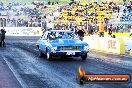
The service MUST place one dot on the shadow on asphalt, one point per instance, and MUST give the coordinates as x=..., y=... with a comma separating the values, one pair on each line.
x=63, y=59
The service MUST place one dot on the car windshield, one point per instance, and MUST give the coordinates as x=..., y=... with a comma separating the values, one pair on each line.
x=63, y=35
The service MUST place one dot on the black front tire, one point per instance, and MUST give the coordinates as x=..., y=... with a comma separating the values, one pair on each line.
x=63, y=56
x=40, y=54
x=84, y=56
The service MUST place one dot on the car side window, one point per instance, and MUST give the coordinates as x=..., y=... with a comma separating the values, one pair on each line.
x=51, y=36
x=44, y=36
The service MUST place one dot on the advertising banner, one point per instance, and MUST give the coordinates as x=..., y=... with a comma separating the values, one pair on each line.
x=23, y=31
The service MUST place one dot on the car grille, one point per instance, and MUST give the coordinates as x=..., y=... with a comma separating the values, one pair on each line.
x=70, y=48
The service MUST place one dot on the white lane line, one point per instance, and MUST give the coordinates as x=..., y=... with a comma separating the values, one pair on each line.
x=18, y=77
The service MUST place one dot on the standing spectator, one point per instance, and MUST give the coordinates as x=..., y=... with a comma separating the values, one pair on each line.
x=117, y=29
x=90, y=29
x=124, y=2
x=124, y=11
x=81, y=34
x=130, y=32
x=101, y=29
x=110, y=31
x=4, y=22
x=2, y=37
x=96, y=28
x=1, y=22
x=118, y=9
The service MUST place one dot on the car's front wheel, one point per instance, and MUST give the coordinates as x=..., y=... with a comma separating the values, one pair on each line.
x=49, y=57
x=40, y=54
x=84, y=56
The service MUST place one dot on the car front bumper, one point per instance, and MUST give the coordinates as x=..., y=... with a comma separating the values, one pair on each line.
x=69, y=53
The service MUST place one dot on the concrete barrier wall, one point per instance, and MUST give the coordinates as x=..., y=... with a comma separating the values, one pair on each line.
x=128, y=44
x=106, y=44
x=23, y=31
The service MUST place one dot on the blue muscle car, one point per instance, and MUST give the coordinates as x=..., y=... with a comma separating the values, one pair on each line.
x=62, y=43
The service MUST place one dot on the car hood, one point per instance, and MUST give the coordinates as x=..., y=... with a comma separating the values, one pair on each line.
x=68, y=42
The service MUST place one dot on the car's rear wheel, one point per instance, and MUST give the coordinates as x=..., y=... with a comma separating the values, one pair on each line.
x=84, y=56
x=49, y=57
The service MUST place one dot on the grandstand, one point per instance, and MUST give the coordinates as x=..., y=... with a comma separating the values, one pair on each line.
x=94, y=13
x=15, y=13
x=127, y=14
x=82, y=12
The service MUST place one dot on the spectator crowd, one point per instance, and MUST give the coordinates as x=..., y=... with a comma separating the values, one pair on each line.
x=16, y=14
x=93, y=17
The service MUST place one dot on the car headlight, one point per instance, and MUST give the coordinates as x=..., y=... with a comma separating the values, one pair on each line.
x=86, y=48
x=53, y=48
